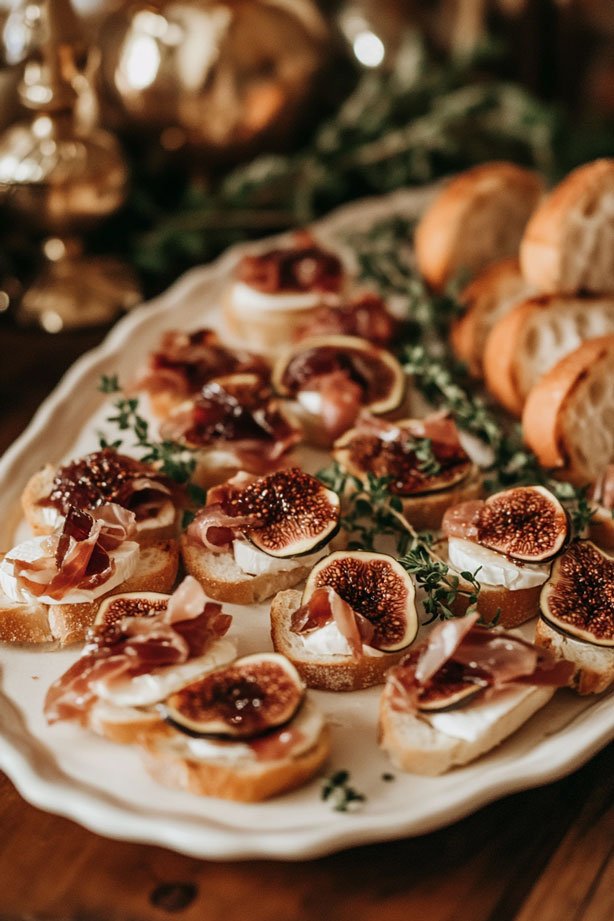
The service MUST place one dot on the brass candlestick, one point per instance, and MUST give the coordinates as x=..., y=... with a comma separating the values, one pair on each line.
x=62, y=175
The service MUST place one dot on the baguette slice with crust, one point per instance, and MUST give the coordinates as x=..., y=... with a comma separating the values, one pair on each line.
x=67, y=623
x=568, y=245
x=594, y=664
x=326, y=673
x=478, y=218
x=568, y=418
x=40, y=485
x=223, y=580
x=534, y=336
x=490, y=296
x=415, y=746
x=425, y=511
x=169, y=761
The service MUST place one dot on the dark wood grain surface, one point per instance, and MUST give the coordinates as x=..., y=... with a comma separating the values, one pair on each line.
x=543, y=855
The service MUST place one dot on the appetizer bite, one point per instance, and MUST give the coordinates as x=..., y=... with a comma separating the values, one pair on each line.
x=354, y=619
x=461, y=693
x=331, y=379
x=256, y=536
x=142, y=647
x=478, y=218
x=485, y=300
x=577, y=615
x=52, y=587
x=273, y=292
x=184, y=362
x=567, y=419
x=424, y=458
x=365, y=316
x=99, y=478
x=508, y=541
x=233, y=424
x=532, y=337
x=601, y=524
x=567, y=244
x=246, y=732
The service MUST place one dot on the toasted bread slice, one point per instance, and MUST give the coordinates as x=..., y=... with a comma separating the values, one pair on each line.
x=223, y=580
x=124, y=725
x=568, y=245
x=67, y=623
x=490, y=296
x=594, y=664
x=39, y=487
x=425, y=511
x=168, y=759
x=534, y=335
x=326, y=673
x=417, y=747
x=568, y=418
x=478, y=218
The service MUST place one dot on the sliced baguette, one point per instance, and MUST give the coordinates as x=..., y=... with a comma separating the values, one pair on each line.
x=426, y=511
x=39, y=487
x=478, y=218
x=248, y=782
x=67, y=623
x=534, y=336
x=601, y=528
x=568, y=418
x=568, y=245
x=415, y=746
x=326, y=673
x=495, y=602
x=490, y=296
x=223, y=580
x=594, y=664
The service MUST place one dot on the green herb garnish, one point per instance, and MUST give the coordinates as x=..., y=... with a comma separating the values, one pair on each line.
x=336, y=790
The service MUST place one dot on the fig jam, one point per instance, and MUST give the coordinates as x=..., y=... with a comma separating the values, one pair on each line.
x=199, y=356
x=225, y=414
x=374, y=379
x=302, y=267
x=397, y=459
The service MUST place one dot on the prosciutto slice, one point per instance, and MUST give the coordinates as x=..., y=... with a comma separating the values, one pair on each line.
x=78, y=555
x=324, y=607
x=458, y=653
x=365, y=317
x=187, y=628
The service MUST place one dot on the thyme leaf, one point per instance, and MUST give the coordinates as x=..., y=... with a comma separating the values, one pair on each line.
x=336, y=789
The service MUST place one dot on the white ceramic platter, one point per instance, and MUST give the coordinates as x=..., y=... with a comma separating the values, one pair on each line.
x=103, y=786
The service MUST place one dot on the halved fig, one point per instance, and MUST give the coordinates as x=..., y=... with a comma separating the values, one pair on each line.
x=298, y=514
x=527, y=523
x=395, y=452
x=449, y=698
x=375, y=586
x=246, y=698
x=578, y=598
x=375, y=373
x=130, y=604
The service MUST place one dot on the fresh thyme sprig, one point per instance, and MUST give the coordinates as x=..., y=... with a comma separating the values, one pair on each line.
x=336, y=789
x=174, y=460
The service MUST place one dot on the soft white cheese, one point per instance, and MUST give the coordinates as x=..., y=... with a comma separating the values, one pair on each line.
x=151, y=688
x=309, y=723
x=126, y=558
x=494, y=568
x=310, y=401
x=51, y=516
x=245, y=297
x=478, y=718
x=329, y=641
x=255, y=562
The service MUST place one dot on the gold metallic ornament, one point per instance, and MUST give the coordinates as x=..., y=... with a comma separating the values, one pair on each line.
x=223, y=76
x=61, y=176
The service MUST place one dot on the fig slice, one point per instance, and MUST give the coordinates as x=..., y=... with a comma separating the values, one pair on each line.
x=578, y=598
x=298, y=514
x=376, y=371
x=375, y=586
x=130, y=604
x=527, y=523
x=450, y=698
x=247, y=698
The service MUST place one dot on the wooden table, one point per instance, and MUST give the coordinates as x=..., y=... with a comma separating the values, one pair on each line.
x=543, y=855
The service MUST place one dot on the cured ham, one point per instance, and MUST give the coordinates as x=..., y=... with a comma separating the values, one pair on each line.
x=462, y=520
x=325, y=606
x=366, y=317
x=459, y=654
x=184, y=362
x=303, y=266
x=107, y=476
x=133, y=646
x=78, y=554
